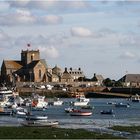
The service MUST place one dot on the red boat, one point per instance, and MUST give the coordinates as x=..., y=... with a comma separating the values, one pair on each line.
x=80, y=113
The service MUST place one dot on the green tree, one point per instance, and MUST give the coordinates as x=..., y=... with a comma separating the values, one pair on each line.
x=108, y=82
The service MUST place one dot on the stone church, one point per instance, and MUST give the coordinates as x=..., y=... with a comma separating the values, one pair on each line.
x=33, y=69
x=30, y=68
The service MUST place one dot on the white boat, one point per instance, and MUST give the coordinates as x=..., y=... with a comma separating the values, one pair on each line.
x=5, y=91
x=135, y=98
x=21, y=114
x=111, y=103
x=56, y=102
x=40, y=124
x=39, y=102
x=77, y=112
x=81, y=101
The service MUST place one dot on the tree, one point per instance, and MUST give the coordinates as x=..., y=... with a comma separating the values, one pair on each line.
x=108, y=82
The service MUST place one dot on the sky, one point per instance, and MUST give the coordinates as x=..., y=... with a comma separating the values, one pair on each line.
x=99, y=36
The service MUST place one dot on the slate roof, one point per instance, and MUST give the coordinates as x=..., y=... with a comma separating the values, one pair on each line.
x=56, y=70
x=130, y=78
x=32, y=64
x=99, y=77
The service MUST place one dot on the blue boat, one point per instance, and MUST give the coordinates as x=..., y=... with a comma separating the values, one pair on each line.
x=108, y=112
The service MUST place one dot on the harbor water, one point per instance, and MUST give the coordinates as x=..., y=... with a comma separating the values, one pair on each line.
x=121, y=116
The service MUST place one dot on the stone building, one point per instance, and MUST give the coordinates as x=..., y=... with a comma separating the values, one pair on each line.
x=130, y=80
x=98, y=79
x=30, y=68
x=66, y=77
x=76, y=73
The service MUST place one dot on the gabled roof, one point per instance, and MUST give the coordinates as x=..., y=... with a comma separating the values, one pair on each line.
x=130, y=78
x=66, y=75
x=43, y=61
x=99, y=77
x=11, y=64
x=32, y=64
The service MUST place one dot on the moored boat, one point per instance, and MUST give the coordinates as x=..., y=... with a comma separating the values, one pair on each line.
x=135, y=98
x=56, y=102
x=122, y=105
x=76, y=112
x=40, y=124
x=108, y=112
x=81, y=101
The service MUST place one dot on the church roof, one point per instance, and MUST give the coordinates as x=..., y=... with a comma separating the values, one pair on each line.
x=32, y=64
x=12, y=64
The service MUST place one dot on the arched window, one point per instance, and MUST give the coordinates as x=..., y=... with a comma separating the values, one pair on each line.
x=40, y=74
x=32, y=57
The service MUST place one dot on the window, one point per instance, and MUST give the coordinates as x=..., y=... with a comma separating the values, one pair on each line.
x=31, y=57
x=40, y=74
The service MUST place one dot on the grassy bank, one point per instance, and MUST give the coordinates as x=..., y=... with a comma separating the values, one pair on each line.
x=49, y=133
x=131, y=129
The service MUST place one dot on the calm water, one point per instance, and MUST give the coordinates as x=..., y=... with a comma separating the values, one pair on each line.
x=121, y=115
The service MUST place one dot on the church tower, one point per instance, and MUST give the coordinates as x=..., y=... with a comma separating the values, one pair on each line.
x=28, y=56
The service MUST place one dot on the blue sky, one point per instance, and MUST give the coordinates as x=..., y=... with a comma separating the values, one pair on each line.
x=101, y=37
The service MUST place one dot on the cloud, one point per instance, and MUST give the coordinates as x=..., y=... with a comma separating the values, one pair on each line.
x=5, y=40
x=49, y=52
x=4, y=6
x=21, y=16
x=130, y=40
x=81, y=32
x=51, y=5
x=128, y=55
x=52, y=19
x=25, y=17
x=17, y=3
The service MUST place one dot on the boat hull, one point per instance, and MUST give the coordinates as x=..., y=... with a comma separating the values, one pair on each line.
x=40, y=124
x=80, y=113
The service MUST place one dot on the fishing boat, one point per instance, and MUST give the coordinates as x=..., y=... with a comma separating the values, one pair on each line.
x=135, y=98
x=77, y=112
x=56, y=102
x=36, y=117
x=81, y=101
x=108, y=112
x=40, y=124
x=122, y=105
x=21, y=114
x=111, y=103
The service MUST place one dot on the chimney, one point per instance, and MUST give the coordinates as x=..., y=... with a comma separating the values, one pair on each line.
x=65, y=69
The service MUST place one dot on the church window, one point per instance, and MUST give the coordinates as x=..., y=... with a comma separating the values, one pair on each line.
x=40, y=74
